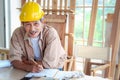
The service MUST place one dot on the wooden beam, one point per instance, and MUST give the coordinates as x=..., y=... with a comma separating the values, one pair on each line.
x=116, y=47
x=48, y=6
x=39, y=2
x=61, y=5
x=22, y=2
x=115, y=37
x=55, y=20
x=65, y=7
x=56, y=10
x=92, y=22
x=54, y=5
x=71, y=30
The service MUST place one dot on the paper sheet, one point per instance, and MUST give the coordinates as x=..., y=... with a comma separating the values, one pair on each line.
x=63, y=75
x=5, y=63
x=43, y=73
x=55, y=73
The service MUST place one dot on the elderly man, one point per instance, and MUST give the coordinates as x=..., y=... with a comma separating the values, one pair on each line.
x=35, y=45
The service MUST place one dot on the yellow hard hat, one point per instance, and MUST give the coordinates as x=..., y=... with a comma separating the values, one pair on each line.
x=31, y=11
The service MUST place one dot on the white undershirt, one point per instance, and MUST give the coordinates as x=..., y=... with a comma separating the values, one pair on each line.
x=36, y=48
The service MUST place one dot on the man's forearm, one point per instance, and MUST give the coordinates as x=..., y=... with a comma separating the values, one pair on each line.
x=20, y=65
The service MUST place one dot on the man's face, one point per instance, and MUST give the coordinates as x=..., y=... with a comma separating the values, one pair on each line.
x=33, y=28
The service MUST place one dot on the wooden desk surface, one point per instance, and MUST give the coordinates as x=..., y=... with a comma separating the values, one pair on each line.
x=15, y=74
x=11, y=74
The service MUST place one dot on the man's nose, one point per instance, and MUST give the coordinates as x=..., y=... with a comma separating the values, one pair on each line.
x=32, y=28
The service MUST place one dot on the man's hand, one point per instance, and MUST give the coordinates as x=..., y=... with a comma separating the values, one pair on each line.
x=35, y=68
x=26, y=65
x=38, y=67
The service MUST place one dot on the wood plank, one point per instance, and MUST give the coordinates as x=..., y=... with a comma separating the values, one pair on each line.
x=114, y=37
x=54, y=20
x=48, y=6
x=44, y=2
x=117, y=42
x=54, y=5
x=92, y=22
x=57, y=10
x=22, y=2
x=65, y=7
x=61, y=6
x=71, y=30
x=39, y=2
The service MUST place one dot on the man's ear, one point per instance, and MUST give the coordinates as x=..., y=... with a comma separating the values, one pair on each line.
x=42, y=20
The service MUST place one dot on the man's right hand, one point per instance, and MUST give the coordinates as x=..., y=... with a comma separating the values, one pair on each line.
x=27, y=67
x=35, y=68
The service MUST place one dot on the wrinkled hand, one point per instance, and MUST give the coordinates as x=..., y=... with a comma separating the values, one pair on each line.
x=35, y=68
x=32, y=67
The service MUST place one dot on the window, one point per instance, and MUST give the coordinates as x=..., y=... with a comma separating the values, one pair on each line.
x=11, y=18
x=82, y=21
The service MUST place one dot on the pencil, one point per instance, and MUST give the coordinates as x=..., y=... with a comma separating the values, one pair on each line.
x=34, y=61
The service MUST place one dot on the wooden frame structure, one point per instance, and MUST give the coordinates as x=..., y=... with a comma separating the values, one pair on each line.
x=114, y=39
x=115, y=36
